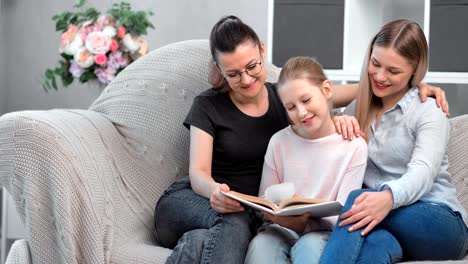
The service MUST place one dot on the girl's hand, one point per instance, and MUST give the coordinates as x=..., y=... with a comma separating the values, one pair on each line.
x=426, y=90
x=296, y=223
x=347, y=126
x=223, y=204
x=369, y=209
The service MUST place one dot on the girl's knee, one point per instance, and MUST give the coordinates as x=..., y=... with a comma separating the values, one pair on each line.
x=314, y=241
x=267, y=247
x=262, y=242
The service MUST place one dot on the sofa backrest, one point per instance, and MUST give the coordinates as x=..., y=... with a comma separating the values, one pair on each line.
x=458, y=156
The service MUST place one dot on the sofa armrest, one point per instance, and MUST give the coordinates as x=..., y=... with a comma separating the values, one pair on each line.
x=19, y=253
x=54, y=164
x=457, y=154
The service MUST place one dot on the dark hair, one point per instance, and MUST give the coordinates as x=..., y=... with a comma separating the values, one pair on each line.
x=227, y=34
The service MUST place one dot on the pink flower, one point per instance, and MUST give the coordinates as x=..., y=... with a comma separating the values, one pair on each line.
x=100, y=59
x=114, y=45
x=96, y=27
x=104, y=21
x=117, y=60
x=105, y=75
x=121, y=32
x=75, y=69
x=97, y=42
x=69, y=35
x=84, y=31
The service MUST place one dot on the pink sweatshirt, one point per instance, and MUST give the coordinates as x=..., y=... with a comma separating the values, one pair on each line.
x=327, y=168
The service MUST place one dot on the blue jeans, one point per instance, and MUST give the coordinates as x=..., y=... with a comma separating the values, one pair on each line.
x=420, y=231
x=274, y=244
x=186, y=222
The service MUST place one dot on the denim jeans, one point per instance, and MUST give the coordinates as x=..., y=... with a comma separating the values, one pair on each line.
x=274, y=244
x=420, y=231
x=186, y=222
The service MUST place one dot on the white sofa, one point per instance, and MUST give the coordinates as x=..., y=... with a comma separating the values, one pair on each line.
x=85, y=182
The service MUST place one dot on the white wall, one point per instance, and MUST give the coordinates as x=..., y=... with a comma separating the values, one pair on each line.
x=33, y=45
x=3, y=82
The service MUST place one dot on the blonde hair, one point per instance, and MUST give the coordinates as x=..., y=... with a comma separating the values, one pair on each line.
x=306, y=68
x=408, y=40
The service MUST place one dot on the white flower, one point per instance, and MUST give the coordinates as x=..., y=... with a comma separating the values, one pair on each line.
x=142, y=50
x=67, y=38
x=97, y=42
x=73, y=47
x=109, y=31
x=130, y=43
x=84, y=58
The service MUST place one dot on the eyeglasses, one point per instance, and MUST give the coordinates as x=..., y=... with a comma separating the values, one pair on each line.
x=252, y=70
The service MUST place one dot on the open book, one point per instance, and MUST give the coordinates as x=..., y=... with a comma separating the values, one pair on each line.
x=292, y=206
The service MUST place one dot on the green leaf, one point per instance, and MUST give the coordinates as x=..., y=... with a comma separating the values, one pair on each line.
x=67, y=57
x=91, y=14
x=58, y=71
x=79, y=3
x=67, y=80
x=87, y=75
x=54, y=83
x=61, y=25
x=49, y=74
x=46, y=86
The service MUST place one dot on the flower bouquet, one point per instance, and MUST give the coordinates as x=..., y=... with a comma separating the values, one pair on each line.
x=97, y=46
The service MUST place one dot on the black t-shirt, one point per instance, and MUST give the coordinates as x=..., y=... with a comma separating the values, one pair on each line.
x=239, y=141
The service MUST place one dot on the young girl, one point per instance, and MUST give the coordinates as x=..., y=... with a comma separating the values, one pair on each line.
x=412, y=210
x=310, y=154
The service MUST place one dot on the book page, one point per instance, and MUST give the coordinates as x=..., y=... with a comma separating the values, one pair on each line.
x=299, y=200
x=243, y=198
x=317, y=210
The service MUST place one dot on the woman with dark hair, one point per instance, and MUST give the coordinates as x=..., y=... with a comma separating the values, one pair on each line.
x=230, y=127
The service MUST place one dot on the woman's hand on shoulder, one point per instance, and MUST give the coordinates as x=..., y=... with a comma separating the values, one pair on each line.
x=347, y=126
x=368, y=210
x=223, y=204
x=426, y=90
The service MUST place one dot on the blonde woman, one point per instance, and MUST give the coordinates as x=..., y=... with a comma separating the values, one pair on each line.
x=410, y=210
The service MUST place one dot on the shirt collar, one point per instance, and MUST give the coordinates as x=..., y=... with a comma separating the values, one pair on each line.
x=406, y=99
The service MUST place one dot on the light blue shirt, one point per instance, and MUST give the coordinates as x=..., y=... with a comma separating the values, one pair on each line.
x=408, y=154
